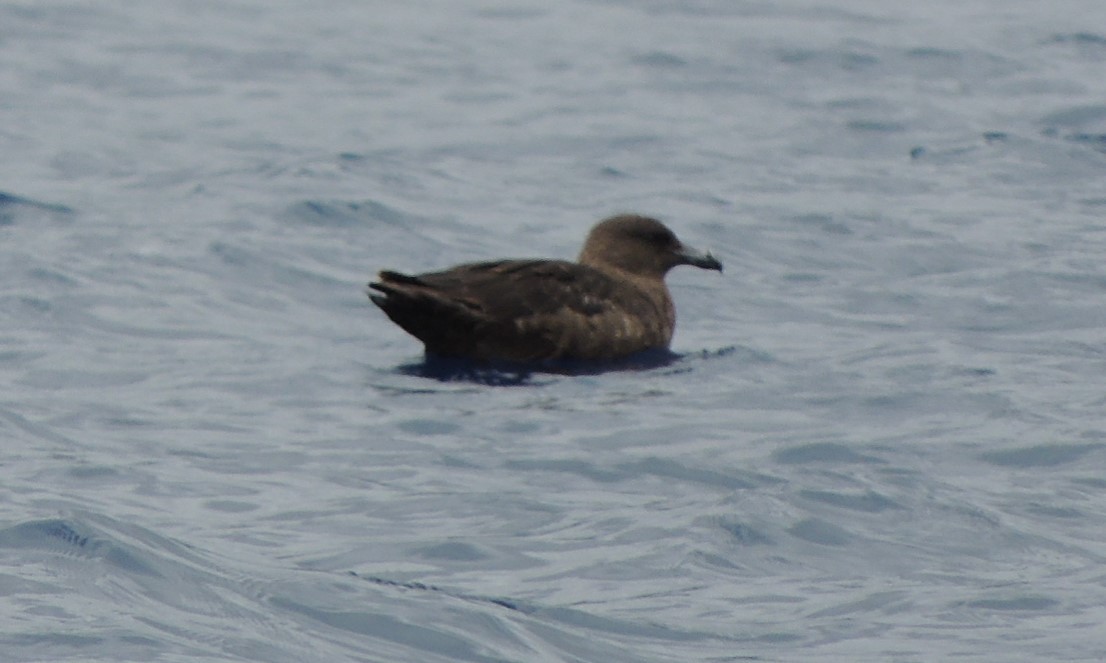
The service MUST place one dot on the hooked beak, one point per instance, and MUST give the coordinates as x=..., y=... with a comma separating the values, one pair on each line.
x=696, y=258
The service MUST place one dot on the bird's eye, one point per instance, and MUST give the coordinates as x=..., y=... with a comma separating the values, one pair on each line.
x=657, y=236
x=662, y=237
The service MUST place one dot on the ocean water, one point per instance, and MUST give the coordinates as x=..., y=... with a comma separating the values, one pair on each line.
x=884, y=438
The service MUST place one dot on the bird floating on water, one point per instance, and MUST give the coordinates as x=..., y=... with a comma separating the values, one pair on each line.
x=610, y=304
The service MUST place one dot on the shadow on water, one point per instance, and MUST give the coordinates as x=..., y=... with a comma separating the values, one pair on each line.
x=509, y=374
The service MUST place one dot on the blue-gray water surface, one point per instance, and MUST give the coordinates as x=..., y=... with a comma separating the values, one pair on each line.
x=884, y=438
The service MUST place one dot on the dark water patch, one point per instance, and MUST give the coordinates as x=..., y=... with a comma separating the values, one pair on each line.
x=821, y=452
x=1095, y=140
x=1076, y=118
x=518, y=427
x=958, y=150
x=348, y=214
x=712, y=561
x=573, y=466
x=74, y=379
x=400, y=584
x=868, y=502
x=928, y=63
x=511, y=13
x=780, y=638
x=10, y=200
x=50, y=276
x=389, y=628
x=637, y=628
x=93, y=472
x=30, y=304
x=668, y=469
x=823, y=222
x=1088, y=46
x=1081, y=38
x=231, y=254
x=34, y=429
x=416, y=586
x=875, y=126
x=1049, y=511
x=1017, y=604
x=273, y=268
x=659, y=60
x=821, y=532
x=844, y=60
x=878, y=602
x=453, y=551
x=59, y=530
x=742, y=533
x=924, y=153
x=1097, y=483
x=803, y=277
x=428, y=427
x=15, y=209
x=929, y=53
x=53, y=640
x=561, y=615
x=1042, y=455
x=69, y=538
x=231, y=506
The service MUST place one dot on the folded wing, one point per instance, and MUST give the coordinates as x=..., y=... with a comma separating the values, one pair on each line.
x=523, y=310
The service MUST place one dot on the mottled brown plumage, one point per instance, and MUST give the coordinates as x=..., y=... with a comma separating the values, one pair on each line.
x=611, y=303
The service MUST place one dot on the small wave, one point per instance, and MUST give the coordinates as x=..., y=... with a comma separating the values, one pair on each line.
x=75, y=539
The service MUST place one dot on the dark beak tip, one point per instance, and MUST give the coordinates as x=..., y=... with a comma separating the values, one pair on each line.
x=708, y=261
x=700, y=259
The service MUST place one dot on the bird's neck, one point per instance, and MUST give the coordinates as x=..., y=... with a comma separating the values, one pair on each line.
x=653, y=288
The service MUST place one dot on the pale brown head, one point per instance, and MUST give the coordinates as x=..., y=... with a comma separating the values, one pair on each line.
x=641, y=246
